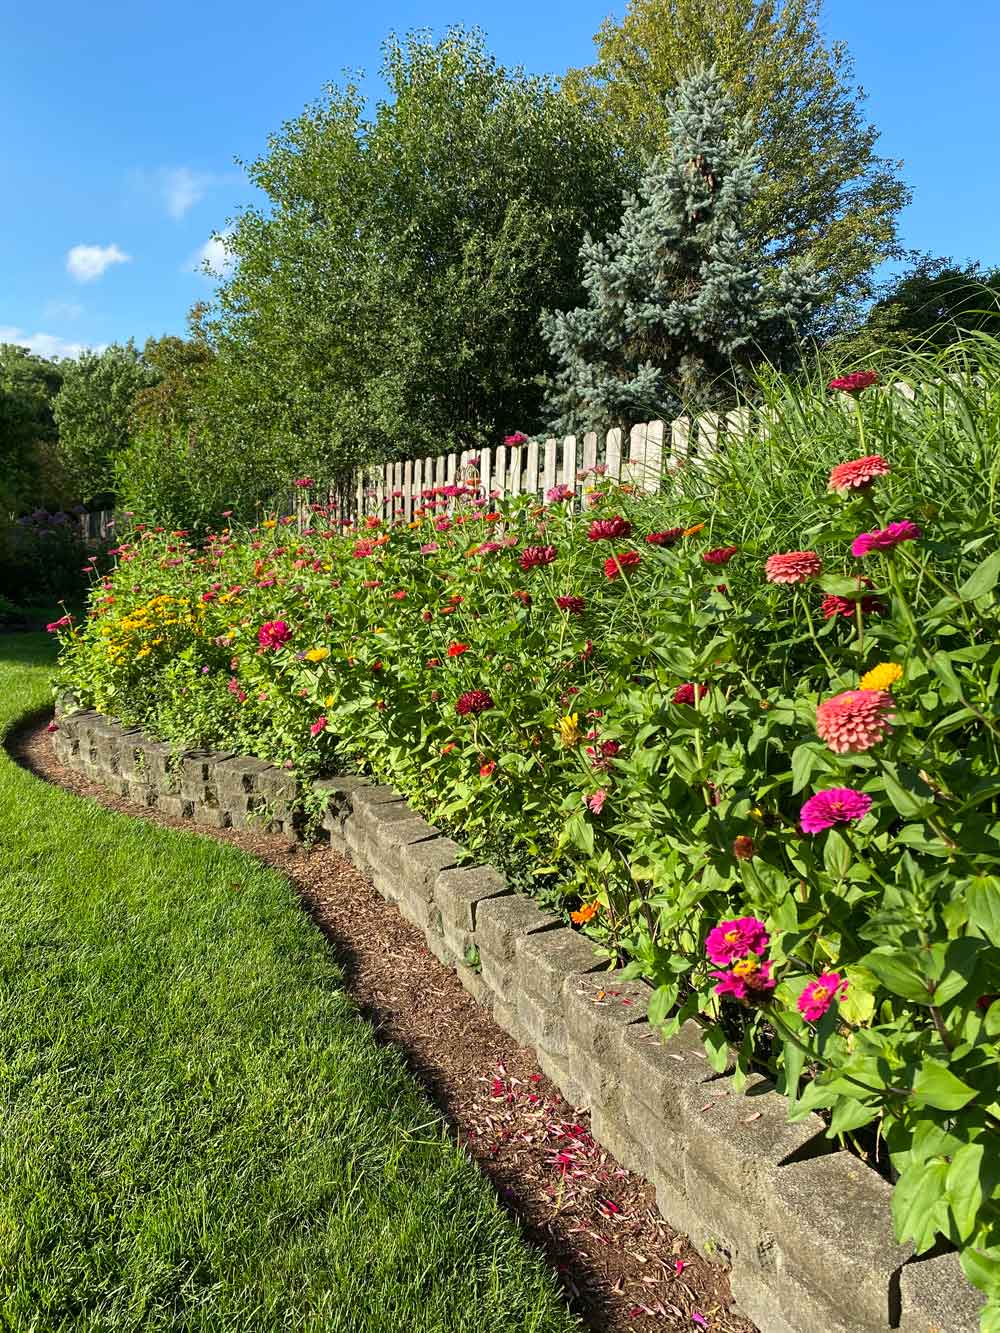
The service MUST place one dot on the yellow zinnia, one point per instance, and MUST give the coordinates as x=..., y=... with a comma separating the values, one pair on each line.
x=317, y=654
x=569, y=729
x=881, y=677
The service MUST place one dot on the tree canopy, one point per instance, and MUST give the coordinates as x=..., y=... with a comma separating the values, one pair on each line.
x=29, y=472
x=826, y=194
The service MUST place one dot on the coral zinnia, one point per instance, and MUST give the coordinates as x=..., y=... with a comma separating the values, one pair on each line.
x=858, y=473
x=852, y=384
x=855, y=720
x=668, y=538
x=793, y=567
x=473, y=701
x=884, y=539
x=608, y=529
x=457, y=649
x=615, y=565
x=836, y=805
x=532, y=556
x=574, y=605
x=720, y=556
x=817, y=997
x=686, y=694
x=735, y=939
x=881, y=677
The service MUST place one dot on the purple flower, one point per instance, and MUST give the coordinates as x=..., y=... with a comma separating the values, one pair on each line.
x=837, y=805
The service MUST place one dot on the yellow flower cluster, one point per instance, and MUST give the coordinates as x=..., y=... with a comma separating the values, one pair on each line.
x=134, y=636
x=881, y=677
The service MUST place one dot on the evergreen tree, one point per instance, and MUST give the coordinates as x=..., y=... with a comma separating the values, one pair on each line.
x=679, y=305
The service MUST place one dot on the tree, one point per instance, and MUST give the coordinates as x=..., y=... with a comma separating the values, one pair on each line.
x=92, y=411
x=389, y=302
x=825, y=194
x=933, y=303
x=29, y=476
x=678, y=304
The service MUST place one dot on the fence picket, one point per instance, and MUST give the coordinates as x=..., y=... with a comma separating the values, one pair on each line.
x=680, y=441
x=551, y=464
x=653, y=459
x=531, y=468
x=567, y=473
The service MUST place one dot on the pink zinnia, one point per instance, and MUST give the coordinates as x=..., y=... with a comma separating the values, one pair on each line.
x=614, y=565
x=273, y=634
x=855, y=720
x=362, y=549
x=608, y=529
x=735, y=939
x=858, y=473
x=574, y=605
x=720, y=556
x=429, y=548
x=304, y=482
x=746, y=985
x=861, y=379
x=532, y=556
x=318, y=726
x=793, y=567
x=836, y=805
x=817, y=997
x=667, y=538
x=557, y=493
x=473, y=701
x=518, y=437
x=884, y=539
x=686, y=694
x=595, y=802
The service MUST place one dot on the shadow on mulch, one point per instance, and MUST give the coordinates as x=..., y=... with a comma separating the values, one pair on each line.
x=621, y=1265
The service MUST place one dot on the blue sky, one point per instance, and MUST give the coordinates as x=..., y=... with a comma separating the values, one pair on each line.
x=121, y=123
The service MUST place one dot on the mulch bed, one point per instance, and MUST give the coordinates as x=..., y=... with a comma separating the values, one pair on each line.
x=621, y=1265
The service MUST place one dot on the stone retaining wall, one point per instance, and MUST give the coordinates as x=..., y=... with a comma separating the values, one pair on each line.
x=806, y=1228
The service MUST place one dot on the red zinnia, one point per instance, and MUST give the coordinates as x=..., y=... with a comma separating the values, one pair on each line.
x=685, y=694
x=721, y=555
x=667, y=538
x=614, y=565
x=574, y=605
x=457, y=649
x=486, y=770
x=852, y=384
x=857, y=474
x=609, y=529
x=473, y=701
x=533, y=556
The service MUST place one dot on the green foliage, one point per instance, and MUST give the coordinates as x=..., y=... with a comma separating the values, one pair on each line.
x=826, y=195
x=388, y=304
x=678, y=306
x=29, y=473
x=612, y=782
x=200, y=1131
x=92, y=411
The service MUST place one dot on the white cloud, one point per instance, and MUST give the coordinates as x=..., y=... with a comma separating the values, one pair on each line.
x=62, y=310
x=87, y=262
x=213, y=253
x=180, y=188
x=46, y=344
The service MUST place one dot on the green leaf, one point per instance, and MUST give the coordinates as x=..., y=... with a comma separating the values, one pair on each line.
x=981, y=1265
x=837, y=854
x=803, y=764
x=898, y=975
x=849, y=1114
x=964, y=1187
x=716, y=1047
x=982, y=580
x=919, y=1206
x=983, y=897
x=935, y=1085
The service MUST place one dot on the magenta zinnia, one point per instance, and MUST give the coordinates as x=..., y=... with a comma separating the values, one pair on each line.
x=720, y=556
x=817, y=997
x=473, y=701
x=735, y=939
x=533, y=556
x=793, y=567
x=748, y=980
x=852, y=384
x=608, y=529
x=884, y=539
x=273, y=634
x=858, y=473
x=855, y=720
x=836, y=805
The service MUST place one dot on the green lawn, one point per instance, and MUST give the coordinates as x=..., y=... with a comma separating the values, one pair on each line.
x=197, y=1131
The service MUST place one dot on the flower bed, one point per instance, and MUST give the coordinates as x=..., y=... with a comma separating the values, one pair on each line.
x=764, y=781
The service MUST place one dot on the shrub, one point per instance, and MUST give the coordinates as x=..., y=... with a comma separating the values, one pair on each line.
x=43, y=556
x=762, y=772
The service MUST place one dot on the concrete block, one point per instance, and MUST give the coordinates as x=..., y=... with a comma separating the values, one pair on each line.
x=210, y=816
x=611, y=1131
x=460, y=942
x=935, y=1296
x=364, y=797
x=654, y=1072
x=506, y=1017
x=598, y=1008
x=278, y=786
x=545, y=1025
x=473, y=982
x=779, y=1304
x=832, y=1223
x=458, y=893
x=558, y=1072
x=421, y=861
x=388, y=839
x=546, y=959
x=175, y=806
x=500, y=922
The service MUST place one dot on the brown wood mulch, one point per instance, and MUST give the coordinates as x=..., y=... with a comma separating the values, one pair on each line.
x=620, y=1264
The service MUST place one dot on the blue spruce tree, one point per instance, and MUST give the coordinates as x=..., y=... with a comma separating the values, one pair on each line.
x=678, y=308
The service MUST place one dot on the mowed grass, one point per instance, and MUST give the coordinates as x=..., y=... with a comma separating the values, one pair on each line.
x=197, y=1131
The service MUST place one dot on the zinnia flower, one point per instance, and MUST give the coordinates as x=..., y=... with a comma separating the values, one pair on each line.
x=555, y=494
x=521, y=595
x=720, y=556
x=429, y=548
x=273, y=634
x=473, y=701
x=362, y=549
x=614, y=565
x=735, y=939
x=595, y=802
x=857, y=474
x=457, y=649
x=689, y=693
x=881, y=677
x=486, y=770
x=569, y=729
x=836, y=805
x=855, y=720
x=533, y=556
x=585, y=914
x=793, y=567
x=317, y=654
x=847, y=606
x=668, y=538
x=318, y=726
x=854, y=384
x=609, y=529
x=743, y=848
x=517, y=438
x=574, y=605
x=884, y=539
x=817, y=997
x=304, y=482
x=752, y=980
